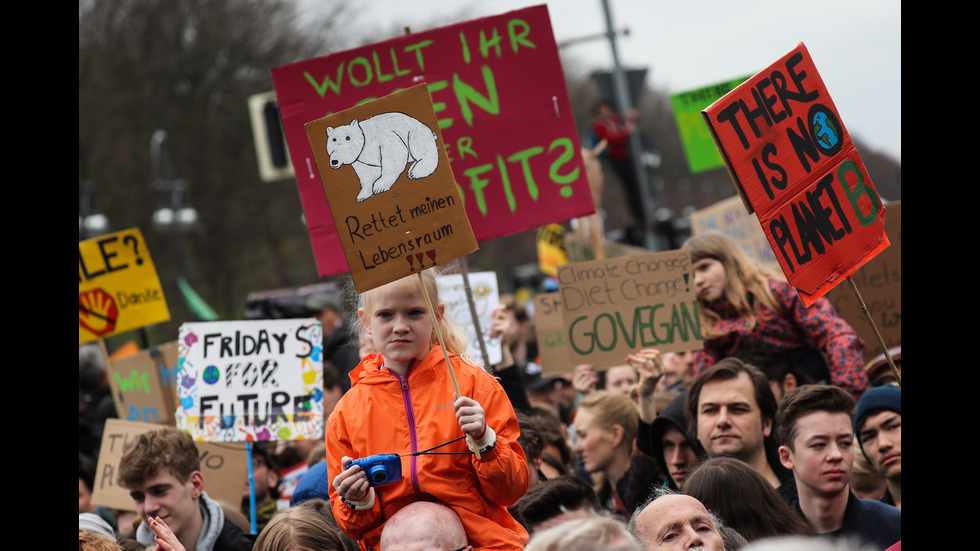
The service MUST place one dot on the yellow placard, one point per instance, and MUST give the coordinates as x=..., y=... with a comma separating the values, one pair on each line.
x=551, y=248
x=118, y=287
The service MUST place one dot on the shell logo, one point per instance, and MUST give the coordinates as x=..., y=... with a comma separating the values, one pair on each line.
x=97, y=311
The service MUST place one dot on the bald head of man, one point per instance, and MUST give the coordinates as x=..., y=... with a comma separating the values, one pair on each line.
x=424, y=526
x=673, y=520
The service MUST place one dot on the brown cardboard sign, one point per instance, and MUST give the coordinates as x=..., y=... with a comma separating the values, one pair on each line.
x=730, y=218
x=549, y=328
x=616, y=306
x=223, y=464
x=880, y=284
x=143, y=384
x=390, y=188
x=580, y=248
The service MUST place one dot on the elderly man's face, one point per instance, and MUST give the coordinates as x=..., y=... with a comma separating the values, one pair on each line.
x=677, y=522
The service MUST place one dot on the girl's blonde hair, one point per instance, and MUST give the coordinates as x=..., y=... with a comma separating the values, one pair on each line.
x=747, y=288
x=454, y=335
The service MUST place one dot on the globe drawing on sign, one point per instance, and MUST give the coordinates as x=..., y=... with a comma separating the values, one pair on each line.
x=211, y=374
x=825, y=131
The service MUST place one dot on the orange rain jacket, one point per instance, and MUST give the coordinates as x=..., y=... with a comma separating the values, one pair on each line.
x=383, y=413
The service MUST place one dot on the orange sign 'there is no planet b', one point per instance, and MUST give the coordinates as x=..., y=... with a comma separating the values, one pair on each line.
x=795, y=166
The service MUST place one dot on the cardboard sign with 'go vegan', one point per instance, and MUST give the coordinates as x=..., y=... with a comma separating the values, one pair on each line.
x=613, y=307
x=391, y=191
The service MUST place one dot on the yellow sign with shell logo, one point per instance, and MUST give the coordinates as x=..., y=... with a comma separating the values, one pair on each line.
x=118, y=286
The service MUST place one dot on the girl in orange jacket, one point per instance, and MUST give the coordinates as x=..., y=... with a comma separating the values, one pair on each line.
x=402, y=401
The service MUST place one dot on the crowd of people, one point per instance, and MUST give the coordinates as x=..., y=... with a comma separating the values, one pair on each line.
x=749, y=443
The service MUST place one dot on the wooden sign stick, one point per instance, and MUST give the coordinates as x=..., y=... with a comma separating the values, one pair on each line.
x=445, y=354
x=465, y=271
x=881, y=341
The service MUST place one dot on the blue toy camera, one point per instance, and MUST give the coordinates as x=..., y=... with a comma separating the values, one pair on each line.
x=380, y=469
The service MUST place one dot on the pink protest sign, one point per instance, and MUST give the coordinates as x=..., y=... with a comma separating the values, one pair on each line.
x=498, y=92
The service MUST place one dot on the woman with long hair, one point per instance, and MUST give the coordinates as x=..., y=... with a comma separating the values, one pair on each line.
x=744, y=499
x=743, y=303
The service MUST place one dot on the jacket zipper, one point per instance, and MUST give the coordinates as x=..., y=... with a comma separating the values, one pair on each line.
x=407, y=398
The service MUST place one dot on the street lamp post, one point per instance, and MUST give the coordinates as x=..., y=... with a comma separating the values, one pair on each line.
x=172, y=214
x=91, y=221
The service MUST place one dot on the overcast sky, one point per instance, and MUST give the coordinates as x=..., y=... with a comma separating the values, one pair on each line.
x=856, y=45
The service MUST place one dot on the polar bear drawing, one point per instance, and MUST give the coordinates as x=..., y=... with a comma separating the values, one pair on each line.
x=379, y=147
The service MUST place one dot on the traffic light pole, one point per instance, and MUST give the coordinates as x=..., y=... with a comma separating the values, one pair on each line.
x=625, y=103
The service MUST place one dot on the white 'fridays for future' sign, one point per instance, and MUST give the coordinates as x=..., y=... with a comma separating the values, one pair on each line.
x=250, y=380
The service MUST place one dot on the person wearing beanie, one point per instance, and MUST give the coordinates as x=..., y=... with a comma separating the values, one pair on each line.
x=878, y=426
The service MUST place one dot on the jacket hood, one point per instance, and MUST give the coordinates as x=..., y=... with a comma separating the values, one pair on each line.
x=673, y=415
x=214, y=520
x=370, y=365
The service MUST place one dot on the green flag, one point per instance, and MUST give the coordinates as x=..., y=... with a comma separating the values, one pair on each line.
x=702, y=153
x=200, y=310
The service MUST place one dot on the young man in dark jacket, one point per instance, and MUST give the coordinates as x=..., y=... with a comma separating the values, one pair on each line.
x=676, y=450
x=666, y=444
x=732, y=408
x=816, y=438
x=161, y=470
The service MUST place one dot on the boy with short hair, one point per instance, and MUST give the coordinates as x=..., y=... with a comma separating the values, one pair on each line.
x=161, y=470
x=814, y=428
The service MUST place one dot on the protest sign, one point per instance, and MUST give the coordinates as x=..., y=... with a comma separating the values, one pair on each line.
x=730, y=218
x=880, y=284
x=118, y=287
x=396, y=206
x=144, y=385
x=580, y=249
x=223, y=465
x=794, y=165
x=613, y=307
x=250, y=380
x=551, y=248
x=549, y=329
x=485, y=296
x=699, y=147
x=498, y=90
